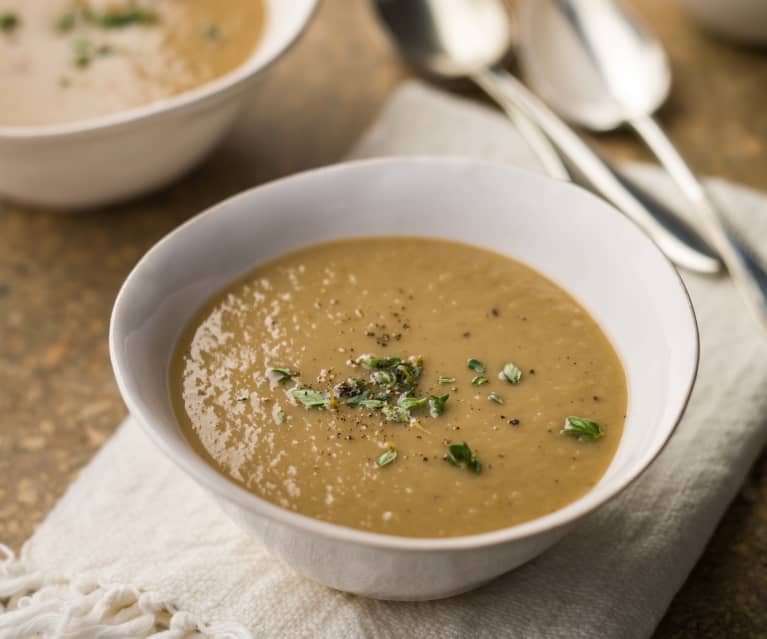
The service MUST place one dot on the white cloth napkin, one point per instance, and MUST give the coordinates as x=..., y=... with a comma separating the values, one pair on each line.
x=134, y=540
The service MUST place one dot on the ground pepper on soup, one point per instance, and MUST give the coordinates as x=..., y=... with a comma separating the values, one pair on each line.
x=408, y=386
x=69, y=60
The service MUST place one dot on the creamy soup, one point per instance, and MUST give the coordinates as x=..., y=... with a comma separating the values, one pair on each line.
x=405, y=386
x=67, y=60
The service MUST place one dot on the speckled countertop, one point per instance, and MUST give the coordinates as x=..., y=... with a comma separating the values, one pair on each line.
x=59, y=274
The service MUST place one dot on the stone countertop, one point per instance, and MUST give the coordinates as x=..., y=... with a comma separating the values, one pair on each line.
x=59, y=274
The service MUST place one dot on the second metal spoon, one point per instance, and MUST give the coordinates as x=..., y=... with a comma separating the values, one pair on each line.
x=470, y=38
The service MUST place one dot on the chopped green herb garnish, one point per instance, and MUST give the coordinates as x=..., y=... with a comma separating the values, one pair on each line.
x=309, y=398
x=437, y=404
x=446, y=380
x=582, y=429
x=355, y=400
x=375, y=404
x=476, y=365
x=280, y=416
x=81, y=52
x=280, y=375
x=66, y=22
x=387, y=457
x=461, y=456
x=495, y=397
x=395, y=414
x=371, y=363
x=382, y=378
x=409, y=403
x=350, y=388
x=479, y=380
x=511, y=373
x=118, y=18
x=9, y=22
x=210, y=31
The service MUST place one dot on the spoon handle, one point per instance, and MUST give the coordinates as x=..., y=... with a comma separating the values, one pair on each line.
x=491, y=81
x=747, y=273
x=604, y=179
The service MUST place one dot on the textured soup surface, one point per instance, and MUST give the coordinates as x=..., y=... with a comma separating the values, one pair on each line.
x=64, y=60
x=315, y=310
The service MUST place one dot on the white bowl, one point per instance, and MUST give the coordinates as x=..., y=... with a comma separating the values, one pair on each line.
x=741, y=20
x=569, y=235
x=102, y=160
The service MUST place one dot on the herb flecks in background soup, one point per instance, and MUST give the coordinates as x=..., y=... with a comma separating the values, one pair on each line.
x=63, y=61
x=406, y=386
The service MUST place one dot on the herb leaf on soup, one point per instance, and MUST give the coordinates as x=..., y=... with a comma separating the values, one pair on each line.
x=461, y=456
x=582, y=429
x=356, y=400
x=476, y=365
x=446, y=379
x=395, y=414
x=371, y=362
x=119, y=18
x=309, y=398
x=280, y=375
x=375, y=404
x=437, y=404
x=210, y=32
x=479, y=380
x=9, y=22
x=387, y=457
x=511, y=373
x=495, y=397
x=409, y=403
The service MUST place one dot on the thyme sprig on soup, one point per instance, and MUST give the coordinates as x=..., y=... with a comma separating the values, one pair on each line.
x=69, y=60
x=408, y=386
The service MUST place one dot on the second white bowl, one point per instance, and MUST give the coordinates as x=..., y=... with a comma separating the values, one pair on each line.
x=115, y=157
x=567, y=234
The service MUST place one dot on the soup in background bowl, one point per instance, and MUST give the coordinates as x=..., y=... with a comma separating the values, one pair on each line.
x=580, y=249
x=68, y=60
x=117, y=103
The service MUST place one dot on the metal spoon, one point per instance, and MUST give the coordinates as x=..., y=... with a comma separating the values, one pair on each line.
x=597, y=66
x=469, y=39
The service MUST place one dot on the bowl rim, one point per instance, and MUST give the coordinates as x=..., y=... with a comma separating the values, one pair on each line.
x=231, y=80
x=191, y=463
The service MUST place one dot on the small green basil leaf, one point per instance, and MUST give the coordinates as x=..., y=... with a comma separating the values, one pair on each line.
x=511, y=373
x=280, y=375
x=461, y=456
x=309, y=397
x=396, y=414
x=437, y=404
x=387, y=457
x=476, y=365
x=375, y=404
x=409, y=403
x=582, y=429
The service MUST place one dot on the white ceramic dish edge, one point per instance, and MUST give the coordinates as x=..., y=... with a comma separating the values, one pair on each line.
x=350, y=559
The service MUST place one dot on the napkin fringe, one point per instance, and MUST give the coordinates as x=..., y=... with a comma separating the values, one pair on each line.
x=32, y=606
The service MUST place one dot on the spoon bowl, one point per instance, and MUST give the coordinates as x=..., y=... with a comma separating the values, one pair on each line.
x=598, y=73
x=471, y=37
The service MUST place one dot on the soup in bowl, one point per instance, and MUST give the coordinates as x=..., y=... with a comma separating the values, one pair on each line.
x=406, y=377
